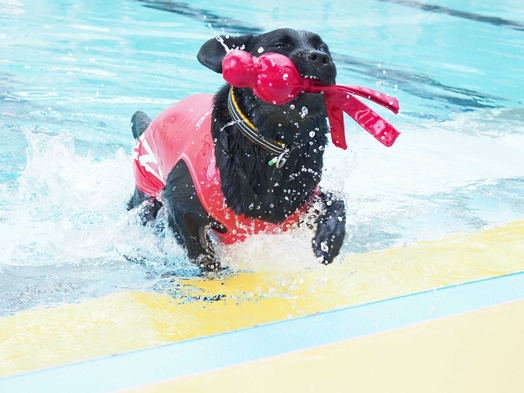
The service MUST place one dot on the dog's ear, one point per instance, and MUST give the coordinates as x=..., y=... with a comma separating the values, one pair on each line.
x=214, y=50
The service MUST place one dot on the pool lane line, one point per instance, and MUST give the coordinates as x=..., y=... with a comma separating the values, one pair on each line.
x=492, y=20
x=202, y=15
x=200, y=355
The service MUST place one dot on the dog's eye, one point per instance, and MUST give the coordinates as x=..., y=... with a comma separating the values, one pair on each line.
x=323, y=48
x=280, y=45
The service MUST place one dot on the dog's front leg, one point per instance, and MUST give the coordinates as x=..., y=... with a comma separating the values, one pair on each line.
x=331, y=228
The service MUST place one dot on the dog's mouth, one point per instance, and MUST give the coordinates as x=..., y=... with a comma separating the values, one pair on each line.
x=317, y=80
x=310, y=77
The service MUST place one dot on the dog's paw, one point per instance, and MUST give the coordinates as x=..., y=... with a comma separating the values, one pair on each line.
x=326, y=246
x=331, y=229
x=208, y=263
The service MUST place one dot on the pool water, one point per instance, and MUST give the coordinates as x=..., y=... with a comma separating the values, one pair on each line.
x=73, y=72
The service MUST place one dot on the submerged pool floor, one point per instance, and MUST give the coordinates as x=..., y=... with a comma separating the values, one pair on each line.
x=356, y=300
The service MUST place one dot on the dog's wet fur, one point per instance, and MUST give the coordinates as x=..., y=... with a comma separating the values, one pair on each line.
x=249, y=184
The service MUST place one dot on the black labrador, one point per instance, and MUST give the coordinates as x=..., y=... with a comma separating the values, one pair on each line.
x=251, y=186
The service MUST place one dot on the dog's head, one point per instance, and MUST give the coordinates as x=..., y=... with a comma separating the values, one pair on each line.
x=307, y=50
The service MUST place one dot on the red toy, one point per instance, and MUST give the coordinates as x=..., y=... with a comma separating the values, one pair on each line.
x=275, y=79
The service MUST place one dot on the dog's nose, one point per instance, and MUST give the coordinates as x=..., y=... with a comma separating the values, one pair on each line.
x=318, y=58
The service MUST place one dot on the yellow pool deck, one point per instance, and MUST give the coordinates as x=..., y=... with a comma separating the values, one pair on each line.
x=395, y=320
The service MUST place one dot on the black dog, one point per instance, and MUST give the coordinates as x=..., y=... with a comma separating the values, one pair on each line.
x=251, y=186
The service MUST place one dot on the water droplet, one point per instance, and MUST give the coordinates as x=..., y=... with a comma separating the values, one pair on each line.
x=260, y=50
x=312, y=134
x=303, y=112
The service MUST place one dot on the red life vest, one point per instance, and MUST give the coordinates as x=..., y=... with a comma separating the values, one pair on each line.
x=183, y=132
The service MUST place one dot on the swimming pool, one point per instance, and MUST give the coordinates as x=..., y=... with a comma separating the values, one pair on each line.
x=73, y=72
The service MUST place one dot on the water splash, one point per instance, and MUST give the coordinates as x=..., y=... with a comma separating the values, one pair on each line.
x=231, y=123
x=67, y=235
x=219, y=38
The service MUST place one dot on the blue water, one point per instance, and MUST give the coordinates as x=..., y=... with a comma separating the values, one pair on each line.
x=73, y=72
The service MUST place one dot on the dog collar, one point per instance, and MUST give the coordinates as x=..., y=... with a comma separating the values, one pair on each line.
x=249, y=130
